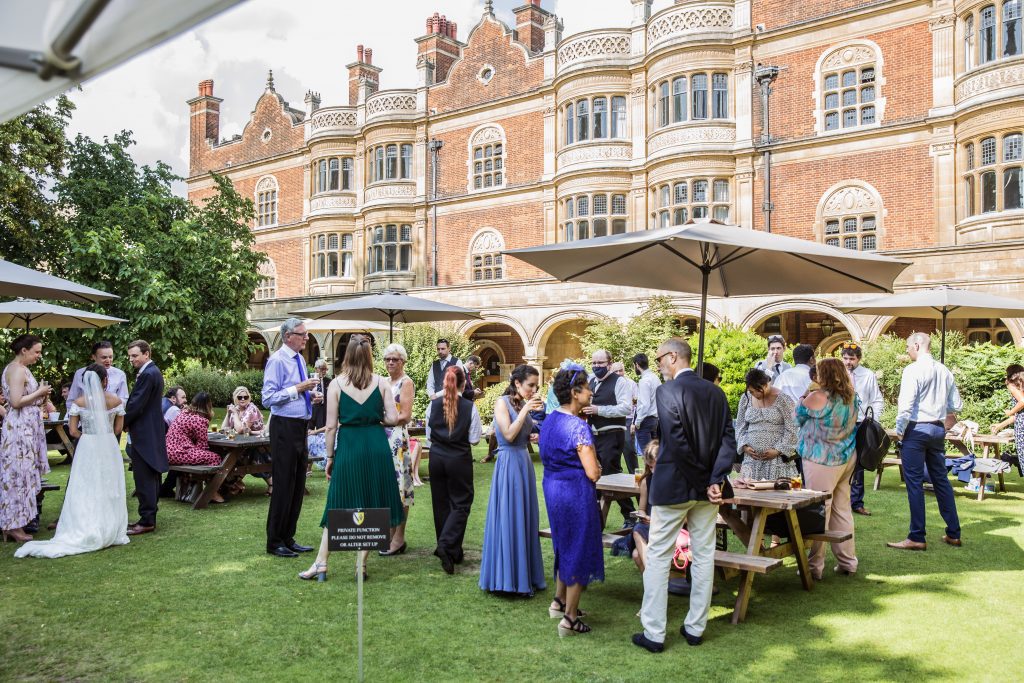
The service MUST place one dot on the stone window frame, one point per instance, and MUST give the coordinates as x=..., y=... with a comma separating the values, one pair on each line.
x=389, y=236
x=995, y=16
x=675, y=201
x=266, y=288
x=585, y=209
x=486, y=263
x=572, y=120
x=675, y=100
x=331, y=248
x=857, y=56
x=266, y=199
x=482, y=137
x=322, y=174
x=385, y=167
x=977, y=174
x=851, y=200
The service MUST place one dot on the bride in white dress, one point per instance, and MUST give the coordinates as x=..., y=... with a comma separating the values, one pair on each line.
x=95, y=513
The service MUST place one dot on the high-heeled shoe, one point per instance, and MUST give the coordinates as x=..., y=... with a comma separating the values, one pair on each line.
x=575, y=627
x=400, y=550
x=559, y=612
x=17, y=535
x=318, y=571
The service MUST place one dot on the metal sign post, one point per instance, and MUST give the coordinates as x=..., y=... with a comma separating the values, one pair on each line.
x=359, y=530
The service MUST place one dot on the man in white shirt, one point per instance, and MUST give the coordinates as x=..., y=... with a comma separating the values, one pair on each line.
x=629, y=445
x=117, y=381
x=794, y=381
x=866, y=386
x=773, y=365
x=645, y=417
x=608, y=413
x=928, y=404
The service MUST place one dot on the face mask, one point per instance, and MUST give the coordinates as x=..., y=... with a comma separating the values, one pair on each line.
x=600, y=372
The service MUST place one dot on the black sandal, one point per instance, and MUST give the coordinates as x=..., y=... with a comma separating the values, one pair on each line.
x=575, y=626
x=560, y=612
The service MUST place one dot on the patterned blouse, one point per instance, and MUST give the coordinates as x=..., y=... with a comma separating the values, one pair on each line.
x=827, y=436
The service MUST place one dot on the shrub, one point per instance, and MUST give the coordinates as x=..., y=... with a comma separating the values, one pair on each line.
x=219, y=383
x=485, y=404
x=655, y=322
x=734, y=351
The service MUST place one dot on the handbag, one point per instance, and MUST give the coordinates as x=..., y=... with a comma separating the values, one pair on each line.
x=872, y=443
x=681, y=557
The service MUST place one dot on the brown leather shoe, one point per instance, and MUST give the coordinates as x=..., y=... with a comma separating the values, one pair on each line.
x=136, y=529
x=907, y=544
x=952, y=541
x=862, y=511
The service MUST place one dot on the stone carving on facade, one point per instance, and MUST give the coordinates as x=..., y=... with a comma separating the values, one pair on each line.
x=943, y=147
x=744, y=67
x=324, y=203
x=328, y=118
x=388, y=192
x=488, y=241
x=401, y=102
x=691, y=135
x=990, y=80
x=266, y=183
x=848, y=200
x=593, y=46
x=848, y=56
x=686, y=19
x=486, y=135
x=595, y=153
x=745, y=175
x=942, y=21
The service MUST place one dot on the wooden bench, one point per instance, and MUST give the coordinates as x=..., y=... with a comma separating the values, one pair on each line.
x=607, y=539
x=829, y=536
x=887, y=462
x=747, y=566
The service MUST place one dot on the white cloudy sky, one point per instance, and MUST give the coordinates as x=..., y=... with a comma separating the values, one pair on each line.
x=306, y=42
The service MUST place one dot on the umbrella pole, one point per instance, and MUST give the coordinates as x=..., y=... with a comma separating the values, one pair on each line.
x=705, y=274
x=391, y=328
x=942, y=352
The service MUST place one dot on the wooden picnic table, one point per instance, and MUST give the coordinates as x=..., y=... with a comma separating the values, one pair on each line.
x=613, y=487
x=758, y=505
x=988, y=442
x=60, y=427
x=239, y=454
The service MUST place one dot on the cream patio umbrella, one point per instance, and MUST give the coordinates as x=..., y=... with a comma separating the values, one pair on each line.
x=714, y=259
x=941, y=303
x=49, y=46
x=29, y=313
x=388, y=306
x=18, y=280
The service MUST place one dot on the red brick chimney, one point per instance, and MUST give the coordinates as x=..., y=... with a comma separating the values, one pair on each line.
x=530, y=25
x=204, y=122
x=440, y=45
x=362, y=69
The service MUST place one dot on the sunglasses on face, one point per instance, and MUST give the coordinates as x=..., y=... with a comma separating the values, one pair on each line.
x=243, y=398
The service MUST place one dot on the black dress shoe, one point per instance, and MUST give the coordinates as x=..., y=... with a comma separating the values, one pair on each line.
x=690, y=638
x=282, y=551
x=400, y=550
x=640, y=640
x=296, y=548
x=446, y=561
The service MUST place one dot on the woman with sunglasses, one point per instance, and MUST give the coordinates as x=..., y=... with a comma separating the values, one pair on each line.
x=403, y=390
x=243, y=416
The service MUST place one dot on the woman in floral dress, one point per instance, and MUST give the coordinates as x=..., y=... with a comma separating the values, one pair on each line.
x=404, y=391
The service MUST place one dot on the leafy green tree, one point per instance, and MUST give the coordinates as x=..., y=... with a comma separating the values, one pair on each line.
x=33, y=152
x=185, y=273
x=656, y=321
x=735, y=351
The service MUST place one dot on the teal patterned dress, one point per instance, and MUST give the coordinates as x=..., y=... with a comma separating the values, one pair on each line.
x=827, y=436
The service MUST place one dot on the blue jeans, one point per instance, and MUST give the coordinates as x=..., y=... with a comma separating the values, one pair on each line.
x=644, y=433
x=924, y=449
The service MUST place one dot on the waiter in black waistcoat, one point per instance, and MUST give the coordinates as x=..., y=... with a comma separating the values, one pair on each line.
x=472, y=393
x=608, y=413
x=435, y=378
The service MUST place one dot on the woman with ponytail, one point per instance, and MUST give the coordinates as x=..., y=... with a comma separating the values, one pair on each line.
x=511, y=561
x=454, y=428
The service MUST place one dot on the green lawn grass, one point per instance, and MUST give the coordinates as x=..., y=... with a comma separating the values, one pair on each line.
x=200, y=600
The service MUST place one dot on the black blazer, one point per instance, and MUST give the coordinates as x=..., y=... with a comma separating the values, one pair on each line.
x=144, y=418
x=697, y=441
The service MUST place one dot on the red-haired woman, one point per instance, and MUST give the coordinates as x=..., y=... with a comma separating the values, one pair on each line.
x=454, y=428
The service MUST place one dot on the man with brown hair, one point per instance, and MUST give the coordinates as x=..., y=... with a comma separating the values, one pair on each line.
x=147, y=447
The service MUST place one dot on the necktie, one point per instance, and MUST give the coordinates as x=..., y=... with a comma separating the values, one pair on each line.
x=776, y=369
x=302, y=378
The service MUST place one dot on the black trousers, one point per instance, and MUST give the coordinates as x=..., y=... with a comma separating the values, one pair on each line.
x=609, y=446
x=629, y=453
x=147, y=487
x=288, y=467
x=451, y=494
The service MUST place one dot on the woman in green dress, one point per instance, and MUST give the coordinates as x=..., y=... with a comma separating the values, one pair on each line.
x=359, y=405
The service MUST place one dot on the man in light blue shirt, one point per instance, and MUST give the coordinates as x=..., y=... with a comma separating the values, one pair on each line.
x=117, y=381
x=287, y=391
x=928, y=404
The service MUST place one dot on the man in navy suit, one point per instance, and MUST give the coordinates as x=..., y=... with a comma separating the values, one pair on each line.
x=695, y=456
x=147, y=448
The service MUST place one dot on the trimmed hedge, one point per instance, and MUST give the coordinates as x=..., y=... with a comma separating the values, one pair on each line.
x=219, y=383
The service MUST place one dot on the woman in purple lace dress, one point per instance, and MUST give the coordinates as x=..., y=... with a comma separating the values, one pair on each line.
x=570, y=470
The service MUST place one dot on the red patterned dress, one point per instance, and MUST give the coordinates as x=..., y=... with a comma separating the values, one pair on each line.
x=187, y=441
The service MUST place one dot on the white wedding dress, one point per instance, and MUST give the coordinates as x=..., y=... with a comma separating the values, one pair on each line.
x=95, y=512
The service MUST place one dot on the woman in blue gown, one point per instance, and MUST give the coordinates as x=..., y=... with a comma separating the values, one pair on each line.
x=570, y=472
x=511, y=561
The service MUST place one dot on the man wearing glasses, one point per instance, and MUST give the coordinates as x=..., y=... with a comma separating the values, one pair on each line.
x=607, y=413
x=287, y=392
x=866, y=386
x=773, y=365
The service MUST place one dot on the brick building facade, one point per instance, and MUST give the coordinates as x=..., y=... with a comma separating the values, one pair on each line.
x=895, y=125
